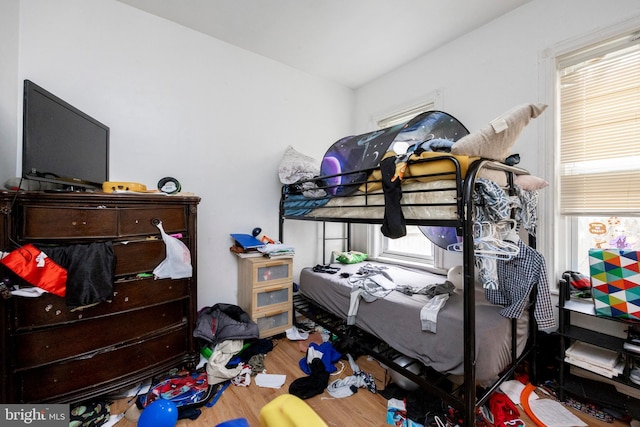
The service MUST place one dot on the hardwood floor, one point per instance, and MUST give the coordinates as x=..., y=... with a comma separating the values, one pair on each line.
x=363, y=409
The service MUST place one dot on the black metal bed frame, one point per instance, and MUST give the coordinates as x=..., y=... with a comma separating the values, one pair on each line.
x=467, y=398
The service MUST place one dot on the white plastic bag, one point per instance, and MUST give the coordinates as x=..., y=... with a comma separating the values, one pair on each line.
x=177, y=264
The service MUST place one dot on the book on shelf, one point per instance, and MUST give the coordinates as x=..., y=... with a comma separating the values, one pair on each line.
x=602, y=361
x=277, y=250
x=605, y=372
x=595, y=355
x=250, y=254
x=280, y=255
x=247, y=241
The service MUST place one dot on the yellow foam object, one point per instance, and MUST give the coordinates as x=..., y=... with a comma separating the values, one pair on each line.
x=288, y=410
x=113, y=186
x=438, y=166
x=414, y=170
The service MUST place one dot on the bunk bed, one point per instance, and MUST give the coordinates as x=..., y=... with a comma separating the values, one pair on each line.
x=451, y=184
x=442, y=198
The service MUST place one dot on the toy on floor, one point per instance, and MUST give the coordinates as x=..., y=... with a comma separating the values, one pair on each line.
x=288, y=410
x=238, y=422
x=160, y=413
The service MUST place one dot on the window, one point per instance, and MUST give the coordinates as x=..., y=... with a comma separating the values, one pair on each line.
x=414, y=248
x=598, y=100
x=602, y=232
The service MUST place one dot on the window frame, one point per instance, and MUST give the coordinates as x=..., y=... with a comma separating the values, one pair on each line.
x=555, y=231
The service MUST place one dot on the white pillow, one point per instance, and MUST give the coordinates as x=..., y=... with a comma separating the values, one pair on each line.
x=296, y=166
x=495, y=140
x=530, y=182
x=499, y=177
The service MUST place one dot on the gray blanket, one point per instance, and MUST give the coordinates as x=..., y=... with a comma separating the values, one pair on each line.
x=396, y=320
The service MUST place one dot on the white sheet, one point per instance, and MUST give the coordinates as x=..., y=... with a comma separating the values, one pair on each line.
x=347, y=207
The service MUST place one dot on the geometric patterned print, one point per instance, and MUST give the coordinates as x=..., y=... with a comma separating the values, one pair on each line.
x=615, y=282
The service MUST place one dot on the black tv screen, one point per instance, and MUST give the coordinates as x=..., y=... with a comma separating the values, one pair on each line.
x=60, y=143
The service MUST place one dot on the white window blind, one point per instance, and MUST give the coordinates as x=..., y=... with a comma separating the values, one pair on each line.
x=599, y=96
x=405, y=115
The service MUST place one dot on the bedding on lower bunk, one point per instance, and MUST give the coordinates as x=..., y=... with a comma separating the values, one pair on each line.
x=396, y=319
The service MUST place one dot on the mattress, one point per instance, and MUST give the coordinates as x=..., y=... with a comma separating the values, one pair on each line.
x=438, y=196
x=395, y=319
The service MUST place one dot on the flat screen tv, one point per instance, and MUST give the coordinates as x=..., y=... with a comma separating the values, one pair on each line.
x=61, y=144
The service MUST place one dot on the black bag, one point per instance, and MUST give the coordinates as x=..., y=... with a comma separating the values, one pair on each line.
x=579, y=284
x=578, y=281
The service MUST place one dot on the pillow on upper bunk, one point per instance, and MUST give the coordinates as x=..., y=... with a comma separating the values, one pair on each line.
x=495, y=140
x=499, y=177
x=296, y=166
x=530, y=182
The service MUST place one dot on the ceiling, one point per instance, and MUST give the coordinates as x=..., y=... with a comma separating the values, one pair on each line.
x=351, y=42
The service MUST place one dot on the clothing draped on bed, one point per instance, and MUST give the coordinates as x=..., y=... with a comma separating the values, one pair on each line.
x=396, y=319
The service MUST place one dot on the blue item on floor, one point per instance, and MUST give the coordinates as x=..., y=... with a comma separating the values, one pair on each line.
x=238, y=422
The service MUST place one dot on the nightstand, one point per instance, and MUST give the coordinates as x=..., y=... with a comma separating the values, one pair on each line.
x=265, y=292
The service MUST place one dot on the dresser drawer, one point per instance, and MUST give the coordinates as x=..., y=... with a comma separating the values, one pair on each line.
x=266, y=297
x=275, y=321
x=138, y=257
x=51, y=382
x=141, y=221
x=142, y=256
x=55, y=222
x=44, y=346
x=49, y=310
x=266, y=272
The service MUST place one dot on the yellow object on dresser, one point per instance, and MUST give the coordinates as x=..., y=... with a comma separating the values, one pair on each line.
x=112, y=187
x=265, y=289
x=288, y=410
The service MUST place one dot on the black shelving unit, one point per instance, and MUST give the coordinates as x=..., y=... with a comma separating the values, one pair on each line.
x=604, y=393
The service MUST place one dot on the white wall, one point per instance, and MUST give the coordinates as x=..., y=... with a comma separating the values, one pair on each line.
x=185, y=105
x=488, y=71
x=9, y=87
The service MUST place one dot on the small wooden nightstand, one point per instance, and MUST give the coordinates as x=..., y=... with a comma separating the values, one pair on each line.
x=265, y=288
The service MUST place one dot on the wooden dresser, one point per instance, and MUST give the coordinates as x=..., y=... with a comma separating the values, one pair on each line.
x=55, y=355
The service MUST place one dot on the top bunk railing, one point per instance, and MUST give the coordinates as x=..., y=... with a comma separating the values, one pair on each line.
x=364, y=190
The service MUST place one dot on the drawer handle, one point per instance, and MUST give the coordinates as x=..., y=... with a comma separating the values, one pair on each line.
x=96, y=352
x=274, y=288
x=155, y=221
